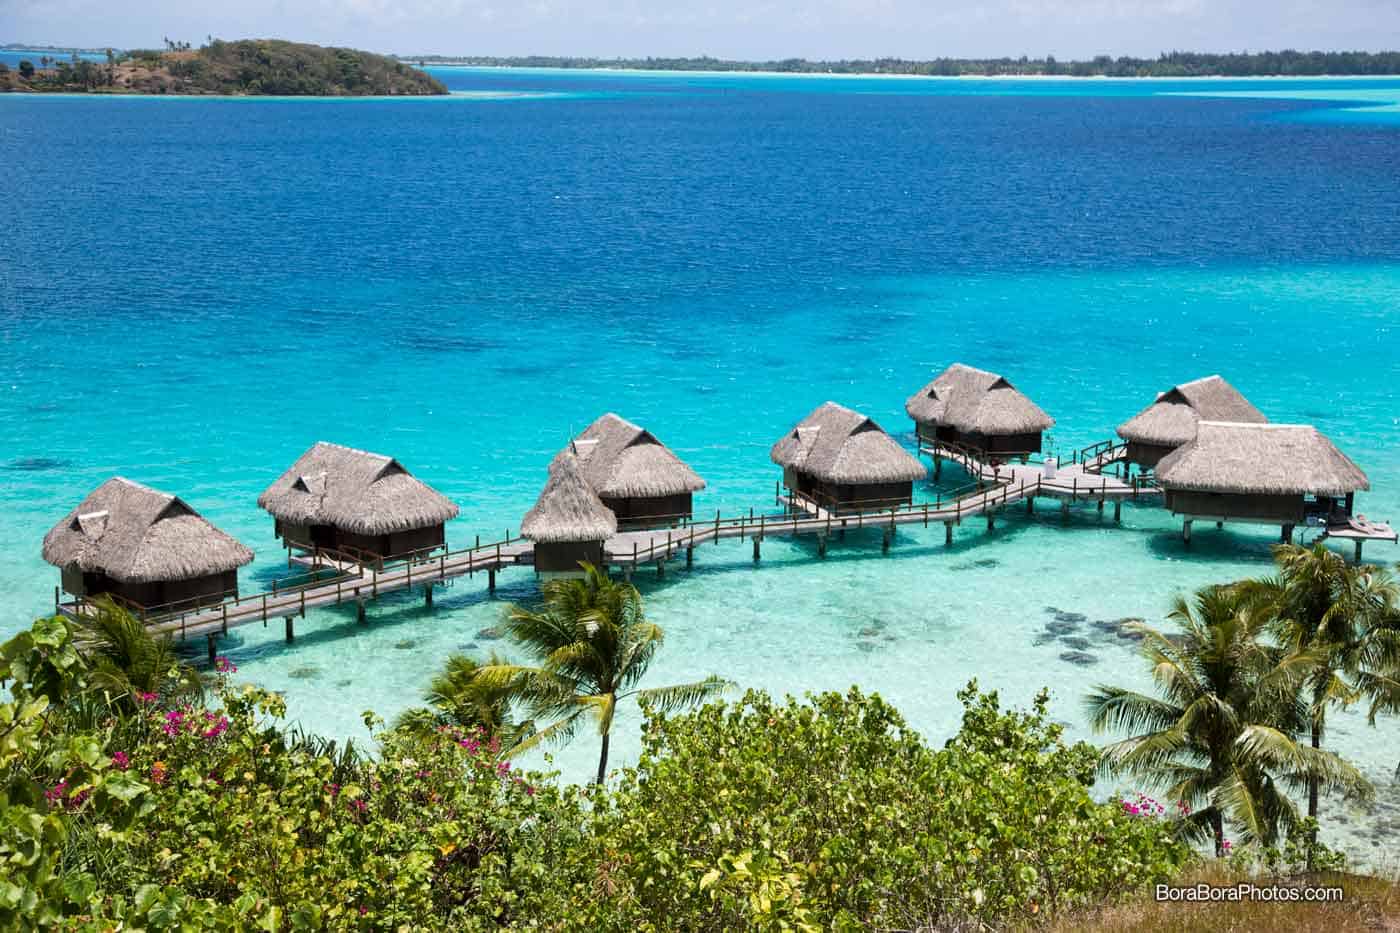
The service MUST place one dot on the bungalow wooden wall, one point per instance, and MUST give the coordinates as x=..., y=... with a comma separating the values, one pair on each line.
x=1264, y=508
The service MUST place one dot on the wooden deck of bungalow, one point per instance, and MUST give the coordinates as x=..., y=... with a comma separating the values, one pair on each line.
x=333, y=578
x=1359, y=530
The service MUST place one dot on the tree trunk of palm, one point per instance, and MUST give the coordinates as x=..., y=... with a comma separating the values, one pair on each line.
x=1217, y=823
x=1312, y=782
x=1318, y=694
x=603, y=760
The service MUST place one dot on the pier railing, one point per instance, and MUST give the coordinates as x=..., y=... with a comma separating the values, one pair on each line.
x=971, y=500
x=1097, y=456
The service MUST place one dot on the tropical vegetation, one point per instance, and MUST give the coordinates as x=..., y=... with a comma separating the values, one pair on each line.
x=1221, y=738
x=137, y=793
x=1166, y=65
x=242, y=67
x=593, y=643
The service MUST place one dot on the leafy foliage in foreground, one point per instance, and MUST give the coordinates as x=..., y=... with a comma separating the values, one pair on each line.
x=170, y=812
x=833, y=814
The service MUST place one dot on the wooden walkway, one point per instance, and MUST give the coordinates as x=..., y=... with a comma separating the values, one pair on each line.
x=337, y=579
x=1003, y=486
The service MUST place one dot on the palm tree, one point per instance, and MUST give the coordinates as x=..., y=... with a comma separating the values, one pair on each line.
x=594, y=644
x=125, y=660
x=1221, y=737
x=1345, y=616
x=458, y=697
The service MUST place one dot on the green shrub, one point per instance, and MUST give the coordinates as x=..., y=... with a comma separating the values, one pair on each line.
x=832, y=814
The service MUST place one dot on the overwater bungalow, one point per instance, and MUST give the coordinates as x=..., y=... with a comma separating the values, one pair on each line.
x=569, y=523
x=360, y=504
x=844, y=462
x=1171, y=420
x=147, y=548
x=635, y=475
x=977, y=409
x=1285, y=474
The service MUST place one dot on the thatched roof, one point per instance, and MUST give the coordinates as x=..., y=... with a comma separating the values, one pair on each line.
x=568, y=509
x=361, y=492
x=136, y=534
x=838, y=445
x=1267, y=459
x=621, y=460
x=975, y=401
x=1171, y=420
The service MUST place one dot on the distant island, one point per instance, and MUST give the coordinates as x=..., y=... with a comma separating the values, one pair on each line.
x=242, y=67
x=1167, y=65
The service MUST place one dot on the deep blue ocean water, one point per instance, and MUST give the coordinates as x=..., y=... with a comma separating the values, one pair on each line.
x=193, y=291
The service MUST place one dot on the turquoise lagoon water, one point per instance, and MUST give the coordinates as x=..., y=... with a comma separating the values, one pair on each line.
x=192, y=294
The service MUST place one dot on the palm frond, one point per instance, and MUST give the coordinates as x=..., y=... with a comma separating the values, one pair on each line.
x=680, y=696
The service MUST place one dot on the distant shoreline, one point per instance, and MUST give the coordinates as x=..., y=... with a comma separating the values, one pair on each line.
x=737, y=73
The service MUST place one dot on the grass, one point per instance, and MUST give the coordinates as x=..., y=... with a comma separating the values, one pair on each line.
x=1368, y=904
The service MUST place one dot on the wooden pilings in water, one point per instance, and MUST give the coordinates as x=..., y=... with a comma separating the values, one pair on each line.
x=1186, y=532
x=1358, y=550
x=491, y=581
x=213, y=650
x=821, y=546
x=756, y=552
x=289, y=628
x=1286, y=534
x=885, y=540
x=1118, y=510
x=948, y=534
x=360, y=611
x=428, y=596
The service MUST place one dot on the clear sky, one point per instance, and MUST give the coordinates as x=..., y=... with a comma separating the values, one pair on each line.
x=752, y=29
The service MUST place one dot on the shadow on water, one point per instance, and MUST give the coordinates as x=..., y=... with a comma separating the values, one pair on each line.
x=1211, y=545
x=328, y=624
x=37, y=464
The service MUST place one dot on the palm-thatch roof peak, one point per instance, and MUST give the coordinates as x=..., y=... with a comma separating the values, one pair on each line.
x=838, y=445
x=1260, y=459
x=362, y=492
x=975, y=401
x=621, y=460
x=1171, y=419
x=568, y=509
x=136, y=534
